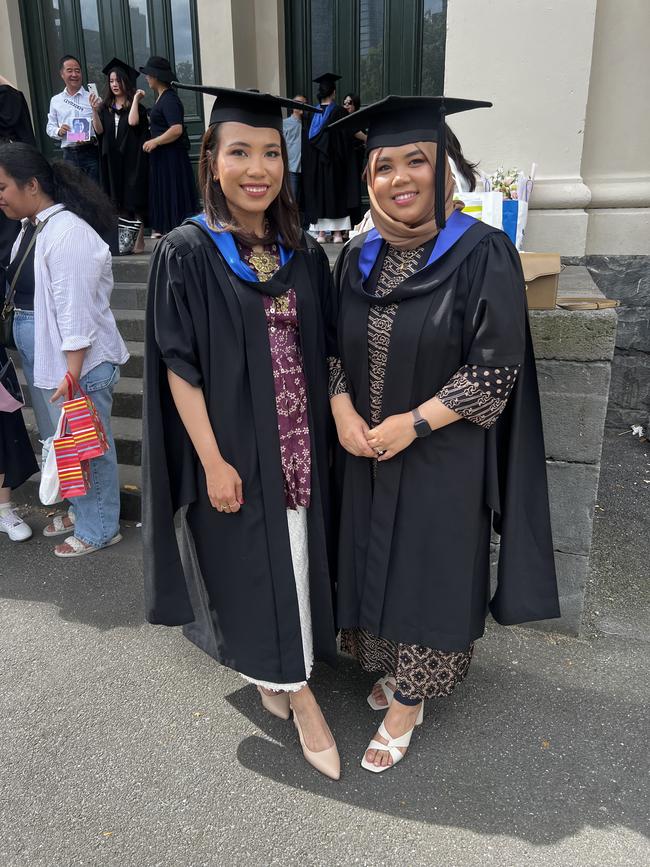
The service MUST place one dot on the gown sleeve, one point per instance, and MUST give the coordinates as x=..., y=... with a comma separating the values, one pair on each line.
x=169, y=462
x=496, y=315
x=479, y=394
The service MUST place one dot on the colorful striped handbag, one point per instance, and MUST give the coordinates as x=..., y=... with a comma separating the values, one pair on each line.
x=84, y=422
x=74, y=476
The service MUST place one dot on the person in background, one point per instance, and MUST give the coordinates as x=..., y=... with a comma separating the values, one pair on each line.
x=326, y=161
x=465, y=174
x=352, y=103
x=73, y=102
x=122, y=125
x=63, y=322
x=17, y=461
x=15, y=125
x=292, y=132
x=172, y=190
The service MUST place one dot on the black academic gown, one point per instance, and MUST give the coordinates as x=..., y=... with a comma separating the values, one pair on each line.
x=15, y=126
x=415, y=544
x=231, y=582
x=327, y=164
x=124, y=166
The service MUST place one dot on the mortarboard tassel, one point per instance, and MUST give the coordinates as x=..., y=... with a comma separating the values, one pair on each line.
x=440, y=173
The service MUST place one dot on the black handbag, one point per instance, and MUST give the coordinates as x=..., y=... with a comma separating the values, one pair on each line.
x=7, y=312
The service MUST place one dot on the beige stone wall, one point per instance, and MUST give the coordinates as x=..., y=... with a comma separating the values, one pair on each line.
x=12, y=54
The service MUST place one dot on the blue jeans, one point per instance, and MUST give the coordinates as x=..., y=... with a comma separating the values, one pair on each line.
x=294, y=184
x=85, y=158
x=97, y=514
x=47, y=415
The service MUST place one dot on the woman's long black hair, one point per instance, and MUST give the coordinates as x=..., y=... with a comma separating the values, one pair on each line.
x=63, y=183
x=467, y=169
x=282, y=214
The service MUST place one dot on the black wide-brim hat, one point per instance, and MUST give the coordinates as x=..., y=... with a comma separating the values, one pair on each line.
x=160, y=68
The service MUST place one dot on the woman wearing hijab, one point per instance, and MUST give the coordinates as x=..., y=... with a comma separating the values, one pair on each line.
x=172, y=192
x=437, y=408
x=122, y=124
x=237, y=424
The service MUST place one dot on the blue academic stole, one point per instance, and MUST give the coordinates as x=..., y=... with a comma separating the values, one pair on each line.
x=226, y=245
x=457, y=224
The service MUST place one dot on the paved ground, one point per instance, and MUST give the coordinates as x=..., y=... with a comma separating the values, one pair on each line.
x=121, y=744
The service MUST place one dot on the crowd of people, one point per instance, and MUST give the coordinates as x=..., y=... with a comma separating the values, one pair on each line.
x=337, y=447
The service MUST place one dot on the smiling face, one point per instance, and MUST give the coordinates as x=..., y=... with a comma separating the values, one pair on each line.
x=17, y=202
x=249, y=167
x=71, y=75
x=403, y=183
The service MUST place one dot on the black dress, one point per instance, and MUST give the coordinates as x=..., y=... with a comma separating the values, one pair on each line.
x=17, y=461
x=414, y=570
x=172, y=189
x=231, y=580
x=124, y=166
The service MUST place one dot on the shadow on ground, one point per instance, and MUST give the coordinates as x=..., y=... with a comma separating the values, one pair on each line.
x=103, y=590
x=507, y=754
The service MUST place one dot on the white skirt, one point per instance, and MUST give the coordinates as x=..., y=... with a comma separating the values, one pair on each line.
x=342, y=224
x=297, y=522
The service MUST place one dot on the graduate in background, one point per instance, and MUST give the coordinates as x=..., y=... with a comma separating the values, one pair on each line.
x=437, y=407
x=122, y=125
x=237, y=425
x=328, y=166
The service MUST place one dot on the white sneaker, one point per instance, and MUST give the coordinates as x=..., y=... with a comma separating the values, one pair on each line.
x=13, y=525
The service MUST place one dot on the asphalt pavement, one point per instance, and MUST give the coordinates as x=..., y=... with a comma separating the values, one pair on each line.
x=122, y=744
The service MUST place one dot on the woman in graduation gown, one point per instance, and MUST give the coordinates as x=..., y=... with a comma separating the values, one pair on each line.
x=15, y=126
x=328, y=163
x=437, y=408
x=123, y=126
x=237, y=422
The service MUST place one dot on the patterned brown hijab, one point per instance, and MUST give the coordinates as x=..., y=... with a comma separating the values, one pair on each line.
x=401, y=235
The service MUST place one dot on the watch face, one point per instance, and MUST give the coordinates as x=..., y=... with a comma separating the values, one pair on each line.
x=422, y=428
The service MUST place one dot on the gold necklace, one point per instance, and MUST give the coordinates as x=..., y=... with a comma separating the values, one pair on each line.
x=265, y=265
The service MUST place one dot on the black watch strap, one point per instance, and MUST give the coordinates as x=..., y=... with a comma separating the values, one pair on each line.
x=421, y=425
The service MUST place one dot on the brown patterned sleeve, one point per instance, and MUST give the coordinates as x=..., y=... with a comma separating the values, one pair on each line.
x=338, y=384
x=479, y=393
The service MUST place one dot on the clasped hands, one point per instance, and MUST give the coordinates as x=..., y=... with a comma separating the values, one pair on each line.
x=383, y=442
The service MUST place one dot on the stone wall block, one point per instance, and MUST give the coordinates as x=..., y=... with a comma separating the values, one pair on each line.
x=633, y=328
x=572, y=492
x=572, y=571
x=573, y=335
x=624, y=277
x=630, y=389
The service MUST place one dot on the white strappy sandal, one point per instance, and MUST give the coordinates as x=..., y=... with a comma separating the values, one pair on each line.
x=391, y=747
x=389, y=692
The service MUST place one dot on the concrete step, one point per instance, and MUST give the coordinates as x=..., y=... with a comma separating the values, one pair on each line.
x=131, y=269
x=129, y=296
x=130, y=324
x=126, y=431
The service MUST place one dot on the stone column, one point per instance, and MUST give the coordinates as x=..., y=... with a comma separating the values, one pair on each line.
x=533, y=61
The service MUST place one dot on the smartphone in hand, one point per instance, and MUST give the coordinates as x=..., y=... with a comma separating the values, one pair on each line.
x=92, y=88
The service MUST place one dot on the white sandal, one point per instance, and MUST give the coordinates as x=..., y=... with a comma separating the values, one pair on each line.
x=392, y=747
x=80, y=548
x=59, y=527
x=389, y=693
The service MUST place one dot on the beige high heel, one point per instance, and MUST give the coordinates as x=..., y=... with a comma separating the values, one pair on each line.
x=326, y=761
x=277, y=704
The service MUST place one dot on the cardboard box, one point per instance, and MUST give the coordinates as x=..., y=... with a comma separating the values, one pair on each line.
x=542, y=275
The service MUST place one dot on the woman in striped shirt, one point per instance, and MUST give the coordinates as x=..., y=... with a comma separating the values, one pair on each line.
x=63, y=322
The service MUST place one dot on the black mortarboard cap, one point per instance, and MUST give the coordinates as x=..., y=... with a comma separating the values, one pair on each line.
x=247, y=106
x=116, y=63
x=326, y=78
x=399, y=120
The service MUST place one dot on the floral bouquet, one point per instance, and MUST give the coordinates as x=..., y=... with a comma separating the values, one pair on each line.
x=515, y=188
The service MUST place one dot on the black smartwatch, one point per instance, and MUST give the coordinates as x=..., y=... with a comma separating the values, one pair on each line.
x=421, y=425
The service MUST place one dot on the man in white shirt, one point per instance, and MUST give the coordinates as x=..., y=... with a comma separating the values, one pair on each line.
x=65, y=107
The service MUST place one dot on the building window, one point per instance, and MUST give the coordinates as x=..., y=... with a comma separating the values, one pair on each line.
x=434, y=33
x=371, y=50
